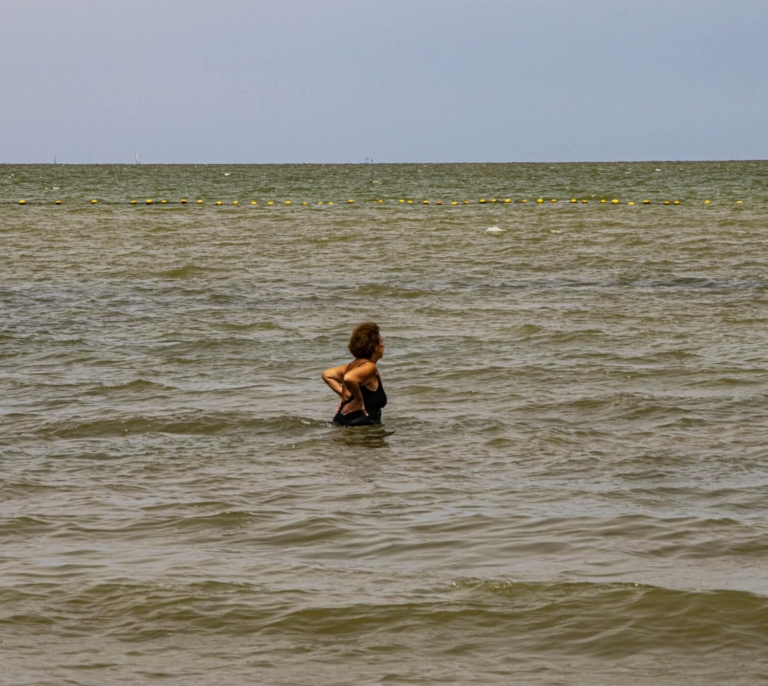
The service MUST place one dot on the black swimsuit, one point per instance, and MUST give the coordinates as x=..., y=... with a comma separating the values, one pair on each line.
x=374, y=402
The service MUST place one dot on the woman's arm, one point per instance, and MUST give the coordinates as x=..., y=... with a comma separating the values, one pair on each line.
x=353, y=380
x=334, y=377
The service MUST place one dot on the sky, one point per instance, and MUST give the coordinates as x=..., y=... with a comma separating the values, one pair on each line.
x=339, y=81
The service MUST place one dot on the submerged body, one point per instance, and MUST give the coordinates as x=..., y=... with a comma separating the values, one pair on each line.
x=374, y=401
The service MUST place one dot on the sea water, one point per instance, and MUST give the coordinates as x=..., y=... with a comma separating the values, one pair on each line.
x=569, y=487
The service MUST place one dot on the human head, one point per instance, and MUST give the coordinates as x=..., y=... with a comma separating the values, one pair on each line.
x=365, y=340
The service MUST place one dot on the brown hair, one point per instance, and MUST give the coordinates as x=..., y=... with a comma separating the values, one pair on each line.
x=364, y=340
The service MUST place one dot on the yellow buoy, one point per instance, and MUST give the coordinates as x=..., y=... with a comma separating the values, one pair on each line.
x=58, y=202
x=94, y=201
x=603, y=201
x=149, y=201
x=410, y=202
x=494, y=200
x=573, y=200
x=677, y=202
x=331, y=202
x=453, y=202
x=304, y=203
x=553, y=200
x=319, y=202
x=707, y=202
x=287, y=202
x=630, y=203
x=425, y=202
x=540, y=201
x=507, y=201
x=401, y=200
x=666, y=202
x=163, y=202
x=466, y=202
x=183, y=201
x=614, y=202
x=133, y=202
x=22, y=202
x=646, y=202
x=482, y=201
x=523, y=200
x=585, y=201
x=270, y=202
x=439, y=202
x=253, y=202
x=739, y=202
x=218, y=202
x=199, y=202
x=350, y=201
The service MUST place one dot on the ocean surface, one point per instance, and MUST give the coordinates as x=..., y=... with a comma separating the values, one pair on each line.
x=570, y=486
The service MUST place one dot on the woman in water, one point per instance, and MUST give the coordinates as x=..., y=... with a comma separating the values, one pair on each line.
x=359, y=383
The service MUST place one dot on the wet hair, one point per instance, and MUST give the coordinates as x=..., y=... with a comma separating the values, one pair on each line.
x=364, y=340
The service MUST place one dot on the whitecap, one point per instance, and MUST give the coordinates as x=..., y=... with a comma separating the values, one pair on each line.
x=494, y=229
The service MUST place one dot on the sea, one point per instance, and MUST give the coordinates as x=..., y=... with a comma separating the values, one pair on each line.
x=570, y=485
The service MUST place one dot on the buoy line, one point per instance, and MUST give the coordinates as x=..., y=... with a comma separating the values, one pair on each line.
x=544, y=200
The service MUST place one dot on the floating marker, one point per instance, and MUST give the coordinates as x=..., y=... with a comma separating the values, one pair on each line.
x=493, y=200
x=183, y=201
x=482, y=201
x=401, y=200
x=630, y=203
x=573, y=200
x=466, y=202
x=350, y=201
x=523, y=200
x=439, y=202
x=149, y=201
x=218, y=202
x=94, y=201
x=253, y=202
x=22, y=202
x=331, y=202
x=304, y=203
x=163, y=202
x=453, y=202
x=666, y=202
x=270, y=202
x=739, y=202
x=58, y=202
x=507, y=201
x=553, y=200
x=234, y=202
x=410, y=202
x=614, y=202
x=287, y=202
x=425, y=202
x=646, y=202
x=707, y=202
x=585, y=201
x=603, y=201
x=199, y=202
x=540, y=201
x=381, y=201
x=677, y=202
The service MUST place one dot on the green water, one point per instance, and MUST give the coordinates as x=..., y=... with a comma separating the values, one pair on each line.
x=569, y=487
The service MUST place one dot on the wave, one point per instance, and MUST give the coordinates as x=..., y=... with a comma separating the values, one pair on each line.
x=607, y=621
x=193, y=423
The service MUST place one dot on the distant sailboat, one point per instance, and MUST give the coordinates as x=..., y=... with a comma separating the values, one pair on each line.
x=136, y=157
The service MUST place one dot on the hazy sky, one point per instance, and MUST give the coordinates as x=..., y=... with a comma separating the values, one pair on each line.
x=393, y=80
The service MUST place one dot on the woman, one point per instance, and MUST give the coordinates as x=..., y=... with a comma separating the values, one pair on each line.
x=359, y=383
